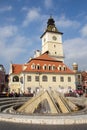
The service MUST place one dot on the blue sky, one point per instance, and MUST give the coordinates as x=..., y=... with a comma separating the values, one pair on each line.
x=22, y=22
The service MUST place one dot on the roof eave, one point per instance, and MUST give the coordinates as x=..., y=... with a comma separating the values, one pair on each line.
x=51, y=32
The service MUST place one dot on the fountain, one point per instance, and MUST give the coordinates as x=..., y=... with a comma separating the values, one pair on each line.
x=48, y=102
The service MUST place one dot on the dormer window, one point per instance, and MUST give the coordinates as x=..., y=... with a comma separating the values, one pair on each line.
x=59, y=68
x=53, y=67
x=49, y=67
x=45, y=67
x=64, y=67
x=33, y=66
x=38, y=66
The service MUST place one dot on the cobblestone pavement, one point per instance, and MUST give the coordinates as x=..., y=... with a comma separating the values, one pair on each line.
x=18, y=126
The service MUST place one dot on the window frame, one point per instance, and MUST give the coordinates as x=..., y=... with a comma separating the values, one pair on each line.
x=54, y=78
x=15, y=78
x=61, y=79
x=37, y=78
x=29, y=78
x=44, y=78
x=69, y=79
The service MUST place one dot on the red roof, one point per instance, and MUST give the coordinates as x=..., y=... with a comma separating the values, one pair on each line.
x=41, y=61
x=16, y=68
x=45, y=57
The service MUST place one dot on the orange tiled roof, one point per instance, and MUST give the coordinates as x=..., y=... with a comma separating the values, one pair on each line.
x=16, y=68
x=45, y=57
x=42, y=60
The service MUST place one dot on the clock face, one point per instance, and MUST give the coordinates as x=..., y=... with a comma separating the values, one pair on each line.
x=54, y=38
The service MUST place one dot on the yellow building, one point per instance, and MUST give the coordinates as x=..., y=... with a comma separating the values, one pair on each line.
x=47, y=69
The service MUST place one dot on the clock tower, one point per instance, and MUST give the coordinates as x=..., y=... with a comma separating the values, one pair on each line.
x=52, y=41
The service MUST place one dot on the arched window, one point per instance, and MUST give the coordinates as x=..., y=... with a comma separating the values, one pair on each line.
x=44, y=78
x=15, y=79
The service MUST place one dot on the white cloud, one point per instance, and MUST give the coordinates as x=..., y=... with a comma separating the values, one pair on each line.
x=48, y=3
x=5, y=8
x=76, y=48
x=7, y=31
x=84, y=31
x=12, y=44
x=64, y=22
x=32, y=15
x=76, y=51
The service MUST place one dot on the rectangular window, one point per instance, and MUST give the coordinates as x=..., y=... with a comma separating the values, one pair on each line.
x=37, y=78
x=62, y=79
x=29, y=78
x=54, y=79
x=44, y=78
x=69, y=79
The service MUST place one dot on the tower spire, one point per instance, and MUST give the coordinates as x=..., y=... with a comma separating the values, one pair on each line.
x=50, y=22
x=51, y=25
